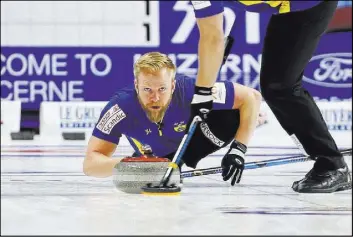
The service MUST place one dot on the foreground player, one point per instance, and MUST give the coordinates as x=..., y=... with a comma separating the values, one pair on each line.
x=292, y=35
x=154, y=112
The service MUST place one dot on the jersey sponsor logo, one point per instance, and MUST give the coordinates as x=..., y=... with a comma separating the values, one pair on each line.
x=179, y=127
x=219, y=93
x=200, y=4
x=330, y=70
x=207, y=132
x=112, y=117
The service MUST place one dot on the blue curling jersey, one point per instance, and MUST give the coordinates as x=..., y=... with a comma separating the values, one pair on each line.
x=210, y=8
x=123, y=115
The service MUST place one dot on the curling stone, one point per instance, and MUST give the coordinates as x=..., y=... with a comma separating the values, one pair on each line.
x=133, y=173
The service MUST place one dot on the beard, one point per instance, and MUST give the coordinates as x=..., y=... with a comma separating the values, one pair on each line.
x=154, y=116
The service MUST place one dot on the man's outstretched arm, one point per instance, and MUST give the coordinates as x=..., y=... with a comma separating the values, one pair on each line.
x=98, y=161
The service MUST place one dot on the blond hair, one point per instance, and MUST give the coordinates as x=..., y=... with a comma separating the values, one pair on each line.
x=153, y=62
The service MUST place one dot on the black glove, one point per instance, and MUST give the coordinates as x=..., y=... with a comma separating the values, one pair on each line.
x=233, y=162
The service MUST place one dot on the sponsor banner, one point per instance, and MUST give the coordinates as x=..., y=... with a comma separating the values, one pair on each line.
x=44, y=74
x=33, y=75
x=58, y=117
x=10, y=117
x=338, y=115
x=329, y=72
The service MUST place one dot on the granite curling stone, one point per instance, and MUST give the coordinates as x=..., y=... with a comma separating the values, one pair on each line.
x=132, y=173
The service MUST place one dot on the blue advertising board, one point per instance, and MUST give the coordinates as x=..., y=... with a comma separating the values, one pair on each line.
x=36, y=74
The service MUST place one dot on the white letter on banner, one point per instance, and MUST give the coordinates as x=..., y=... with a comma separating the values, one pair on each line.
x=3, y=68
x=9, y=85
x=38, y=69
x=108, y=64
x=52, y=87
x=79, y=112
x=186, y=66
x=23, y=64
x=231, y=64
x=249, y=63
x=73, y=91
x=188, y=23
x=33, y=91
x=252, y=22
x=18, y=90
x=83, y=58
x=65, y=112
x=229, y=18
x=56, y=64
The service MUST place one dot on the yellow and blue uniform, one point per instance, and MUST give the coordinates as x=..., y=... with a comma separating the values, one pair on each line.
x=210, y=8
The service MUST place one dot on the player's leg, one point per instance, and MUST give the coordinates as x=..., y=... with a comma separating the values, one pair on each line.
x=289, y=44
x=290, y=41
x=223, y=123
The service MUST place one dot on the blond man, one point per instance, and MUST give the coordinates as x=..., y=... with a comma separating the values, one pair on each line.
x=155, y=110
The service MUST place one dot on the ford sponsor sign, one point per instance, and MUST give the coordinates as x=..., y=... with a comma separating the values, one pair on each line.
x=330, y=70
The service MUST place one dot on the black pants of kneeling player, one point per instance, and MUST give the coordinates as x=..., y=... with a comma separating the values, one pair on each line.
x=223, y=124
x=289, y=44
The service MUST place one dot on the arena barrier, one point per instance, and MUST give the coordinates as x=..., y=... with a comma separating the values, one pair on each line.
x=10, y=118
x=76, y=120
x=337, y=115
x=69, y=120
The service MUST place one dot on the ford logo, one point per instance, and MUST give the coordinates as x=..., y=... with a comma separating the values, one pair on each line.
x=330, y=70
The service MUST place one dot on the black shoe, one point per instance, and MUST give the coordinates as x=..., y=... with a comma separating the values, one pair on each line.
x=324, y=182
